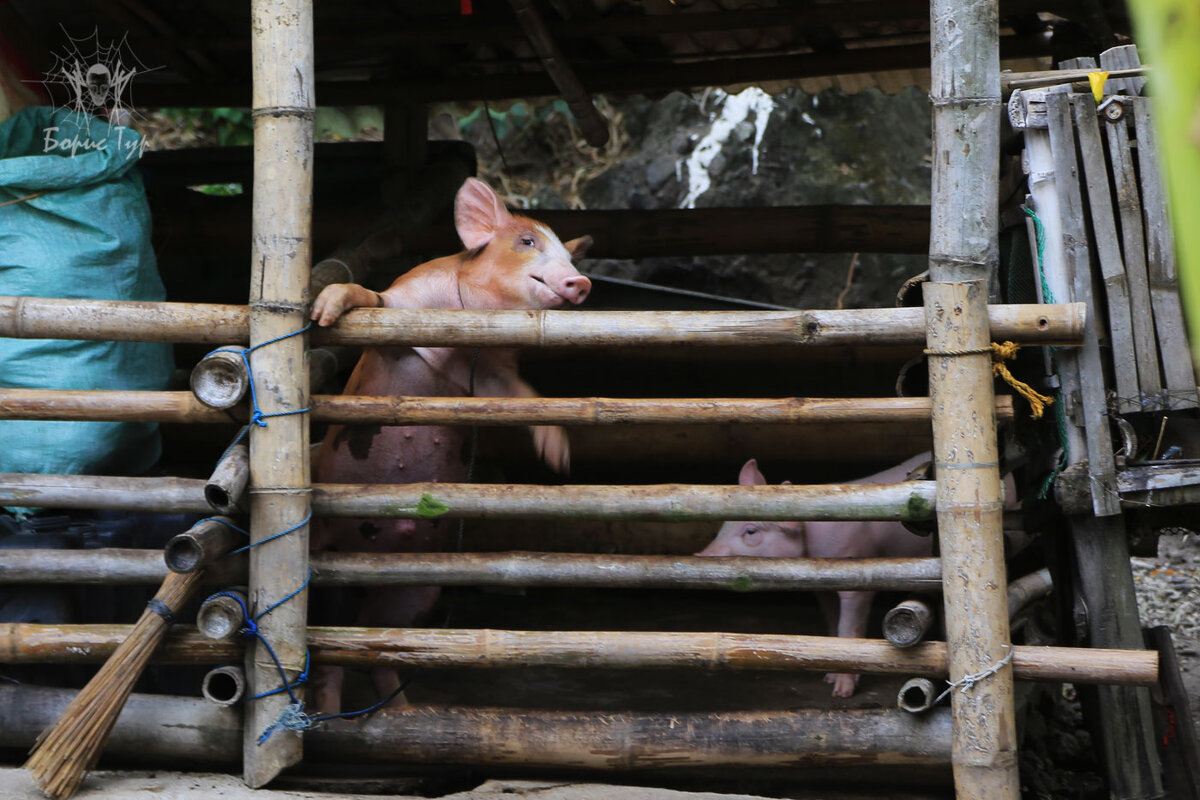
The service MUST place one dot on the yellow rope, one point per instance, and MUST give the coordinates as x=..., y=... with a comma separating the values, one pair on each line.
x=1004, y=352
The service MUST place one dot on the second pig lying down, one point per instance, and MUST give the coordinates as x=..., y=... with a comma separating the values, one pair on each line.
x=845, y=612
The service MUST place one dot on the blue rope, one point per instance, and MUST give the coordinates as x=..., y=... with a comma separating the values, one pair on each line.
x=257, y=416
x=1060, y=416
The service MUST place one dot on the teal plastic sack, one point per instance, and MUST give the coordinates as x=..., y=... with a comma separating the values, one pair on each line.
x=84, y=233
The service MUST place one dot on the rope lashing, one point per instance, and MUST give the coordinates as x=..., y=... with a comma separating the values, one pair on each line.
x=1001, y=353
x=257, y=417
x=967, y=682
x=1004, y=352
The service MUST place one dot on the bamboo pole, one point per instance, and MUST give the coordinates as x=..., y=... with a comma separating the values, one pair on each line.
x=281, y=259
x=409, y=410
x=446, y=648
x=963, y=265
x=909, y=500
x=512, y=569
x=41, y=318
x=165, y=728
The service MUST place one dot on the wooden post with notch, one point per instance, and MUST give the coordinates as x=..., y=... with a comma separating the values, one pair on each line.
x=283, y=102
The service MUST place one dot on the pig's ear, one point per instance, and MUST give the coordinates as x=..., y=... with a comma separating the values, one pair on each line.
x=750, y=476
x=578, y=248
x=478, y=213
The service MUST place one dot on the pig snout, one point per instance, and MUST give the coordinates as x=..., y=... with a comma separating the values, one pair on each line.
x=572, y=288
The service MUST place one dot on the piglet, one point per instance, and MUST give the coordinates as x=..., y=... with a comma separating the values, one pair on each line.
x=845, y=612
x=510, y=262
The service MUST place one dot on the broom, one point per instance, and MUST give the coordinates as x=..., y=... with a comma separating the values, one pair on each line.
x=70, y=746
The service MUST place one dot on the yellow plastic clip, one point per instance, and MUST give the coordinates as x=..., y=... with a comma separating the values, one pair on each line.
x=1096, y=80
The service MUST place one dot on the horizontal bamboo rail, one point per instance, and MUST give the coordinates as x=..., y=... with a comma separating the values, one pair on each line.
x=909, y=500
x=489, y=649
x=42, y=318
x=116, y=406
x=167, y=730
x=126, y=566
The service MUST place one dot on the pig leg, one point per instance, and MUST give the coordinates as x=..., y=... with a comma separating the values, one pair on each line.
x=397, y=608
x=325, y=681
x=338, y=298
x=499, y=378
x=854, y=607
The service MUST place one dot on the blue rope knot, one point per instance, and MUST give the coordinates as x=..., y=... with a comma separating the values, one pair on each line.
x=257, y=417
x=293, y=718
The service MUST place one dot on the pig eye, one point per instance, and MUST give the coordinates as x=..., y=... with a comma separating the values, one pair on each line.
x=527, y=241
x=752, y=536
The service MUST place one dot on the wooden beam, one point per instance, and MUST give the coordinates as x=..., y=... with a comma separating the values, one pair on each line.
x=636, y=78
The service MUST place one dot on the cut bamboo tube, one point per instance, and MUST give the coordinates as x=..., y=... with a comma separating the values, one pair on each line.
x=512, y=569
x=281, y=57
x=907, y=623
x=222, y=616
x=910, y=500
x=224, y=685
x=963, y=266
x=164, y=728
x=42, y=318
x=227, y=484
x=28, y=643
x=219, y=380
x=916, y=695
x=407, y=410
x=200, y=545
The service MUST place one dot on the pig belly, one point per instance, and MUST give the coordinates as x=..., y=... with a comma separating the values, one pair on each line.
x=371, y=454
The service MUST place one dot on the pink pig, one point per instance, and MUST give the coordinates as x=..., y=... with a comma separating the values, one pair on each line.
x=510, y=262
x=846, y=614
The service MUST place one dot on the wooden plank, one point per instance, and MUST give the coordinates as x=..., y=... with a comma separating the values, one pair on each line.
x=1112, y=267
x=1177, y=364
x=1133, y=242
x=1091, y=401
x=1120, y=58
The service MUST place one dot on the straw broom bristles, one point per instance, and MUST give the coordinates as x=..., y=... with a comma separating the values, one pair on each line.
x=66, y=750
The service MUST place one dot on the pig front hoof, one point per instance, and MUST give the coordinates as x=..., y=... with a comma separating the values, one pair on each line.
x=552, y=446
x=331, y=303
x=843, y=683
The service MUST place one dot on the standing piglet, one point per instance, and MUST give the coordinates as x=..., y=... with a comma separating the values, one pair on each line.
x=510, y=262
x=845, y=612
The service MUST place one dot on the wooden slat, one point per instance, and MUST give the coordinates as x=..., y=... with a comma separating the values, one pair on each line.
x=1120, y=58
x=1101, y=467
x=1133, y=243
x=1178, y=371
x=1112, y=267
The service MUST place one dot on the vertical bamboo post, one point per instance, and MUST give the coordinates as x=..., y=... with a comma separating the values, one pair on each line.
x=282, y=64
x=963, y=255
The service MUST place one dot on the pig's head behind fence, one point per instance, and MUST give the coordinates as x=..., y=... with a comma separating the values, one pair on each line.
x=513, y=261
x=768, y=539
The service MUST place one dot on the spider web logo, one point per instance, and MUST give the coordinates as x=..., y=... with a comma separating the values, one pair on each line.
x=91, y=77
